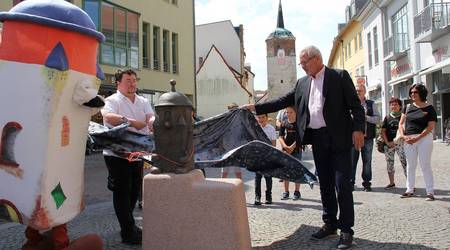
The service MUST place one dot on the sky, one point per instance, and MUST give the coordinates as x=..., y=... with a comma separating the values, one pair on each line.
x=312, y=22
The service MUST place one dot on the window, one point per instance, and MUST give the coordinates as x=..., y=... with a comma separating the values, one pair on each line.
x=360, y=40
x=145, y=45
x=174, y=53
x=156, y=48
x=349, y=49
x=400, y=29
x=166, y=53
x=361, y=70
x=369, y=49
x=375, y=45
x=346, y=52
x=120, y=28
x=92, y=9
x=355, y=43
x=133, y=39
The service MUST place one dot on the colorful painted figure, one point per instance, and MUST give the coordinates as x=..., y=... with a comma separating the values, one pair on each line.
x=50, y=79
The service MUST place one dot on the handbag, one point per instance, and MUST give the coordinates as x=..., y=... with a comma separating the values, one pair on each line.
x=380, y=143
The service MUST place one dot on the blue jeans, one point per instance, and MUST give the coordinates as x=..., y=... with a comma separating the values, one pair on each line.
x=366, y=154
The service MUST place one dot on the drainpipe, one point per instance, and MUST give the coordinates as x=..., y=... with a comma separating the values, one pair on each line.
x=195, y=56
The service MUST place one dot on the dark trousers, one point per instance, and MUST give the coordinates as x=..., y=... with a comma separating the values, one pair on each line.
x=334, y=172
x=125, y=181
x=366, y=155
x=268, y=179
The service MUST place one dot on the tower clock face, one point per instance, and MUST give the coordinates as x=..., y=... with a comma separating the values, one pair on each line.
x=281, y=57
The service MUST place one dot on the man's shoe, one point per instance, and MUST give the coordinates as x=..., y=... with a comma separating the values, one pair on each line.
x=323, y=232
x=285, y=195
x=367, y=189
x=268, y=199
x=257, y=200
x=297, y=195
x=389, y=186
x=132, y=239
x=345, y=242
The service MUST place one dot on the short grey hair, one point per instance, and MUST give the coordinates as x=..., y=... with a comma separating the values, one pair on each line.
x=311, y=51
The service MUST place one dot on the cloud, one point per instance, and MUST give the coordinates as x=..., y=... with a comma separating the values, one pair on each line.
x=311, y=21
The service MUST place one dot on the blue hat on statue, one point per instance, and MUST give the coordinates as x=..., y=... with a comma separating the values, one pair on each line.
x=56, y=13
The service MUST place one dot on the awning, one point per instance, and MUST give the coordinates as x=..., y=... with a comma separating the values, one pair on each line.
x=436, y=67
x=400, y=79
x=374, y=87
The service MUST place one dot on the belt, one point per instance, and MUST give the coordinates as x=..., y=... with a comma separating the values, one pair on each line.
x=318, y=130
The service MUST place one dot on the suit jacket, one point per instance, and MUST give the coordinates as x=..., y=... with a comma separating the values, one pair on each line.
x=342, y=111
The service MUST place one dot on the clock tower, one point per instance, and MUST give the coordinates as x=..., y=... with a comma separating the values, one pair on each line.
x=281, y=60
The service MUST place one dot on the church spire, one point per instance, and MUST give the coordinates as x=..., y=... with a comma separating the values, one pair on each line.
x=280, y=21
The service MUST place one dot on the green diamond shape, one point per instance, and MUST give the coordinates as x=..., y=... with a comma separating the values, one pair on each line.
x=58, y=196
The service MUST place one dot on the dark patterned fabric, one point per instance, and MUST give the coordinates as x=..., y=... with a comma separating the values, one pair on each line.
x=233, y=138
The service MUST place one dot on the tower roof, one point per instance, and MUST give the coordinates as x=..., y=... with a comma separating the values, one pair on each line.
x=280, y=21
x=280, y=31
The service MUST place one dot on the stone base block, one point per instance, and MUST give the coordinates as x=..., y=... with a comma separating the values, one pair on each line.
x=187, y=211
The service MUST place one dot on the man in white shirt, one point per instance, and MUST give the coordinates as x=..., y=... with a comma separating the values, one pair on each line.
x=124, y=177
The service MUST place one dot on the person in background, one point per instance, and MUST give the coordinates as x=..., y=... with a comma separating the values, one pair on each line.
x=269, y=130
x=287, y=139
x=281, y=117
x=389, y=132
x=125, y=177
x=416, y=125
x=372, y=119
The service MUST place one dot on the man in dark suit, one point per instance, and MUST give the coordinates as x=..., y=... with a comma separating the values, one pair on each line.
x=331, y=118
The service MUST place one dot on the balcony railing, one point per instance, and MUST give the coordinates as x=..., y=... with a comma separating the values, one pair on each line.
x=435, y=17
x=395, y=46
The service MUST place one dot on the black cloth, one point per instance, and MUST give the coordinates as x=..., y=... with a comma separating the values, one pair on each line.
x=417, y=118
x=390, y=123
x=370, y=127
x=125, y=181
x=233, y=138
x=288, y=131
x=343, y=114
x=265, y=159
x=268, y=180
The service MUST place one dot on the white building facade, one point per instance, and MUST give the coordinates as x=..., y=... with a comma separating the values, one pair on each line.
x=222, y=76
x=411, y=40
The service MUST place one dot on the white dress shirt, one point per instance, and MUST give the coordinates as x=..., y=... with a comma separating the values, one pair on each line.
x=316, y=101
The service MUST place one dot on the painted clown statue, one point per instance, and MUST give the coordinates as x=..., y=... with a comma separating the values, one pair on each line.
x=50, y=79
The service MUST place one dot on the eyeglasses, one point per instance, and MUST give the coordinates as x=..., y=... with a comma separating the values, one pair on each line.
x=414, y=92
x=306, y=62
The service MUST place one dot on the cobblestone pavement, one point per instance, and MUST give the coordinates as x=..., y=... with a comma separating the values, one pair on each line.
x=383, y=220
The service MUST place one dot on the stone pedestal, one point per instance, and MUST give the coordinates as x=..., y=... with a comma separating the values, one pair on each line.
x=187, y=211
